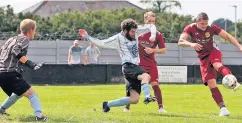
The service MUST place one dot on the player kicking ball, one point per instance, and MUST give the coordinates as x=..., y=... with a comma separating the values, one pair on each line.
x=209, y=55
x=12, y=57
x=126, y=43
x=147, y=51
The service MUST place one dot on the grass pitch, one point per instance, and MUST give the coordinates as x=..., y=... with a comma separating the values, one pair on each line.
x=82, y=104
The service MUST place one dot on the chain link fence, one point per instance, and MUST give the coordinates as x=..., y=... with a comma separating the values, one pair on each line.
x=171, y=38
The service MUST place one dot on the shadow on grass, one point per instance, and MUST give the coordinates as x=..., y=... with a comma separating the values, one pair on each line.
x=56, y=120
x=6, y=118
x=211, y=115
x=235, y=117
x=174, y=115
x=228, y=117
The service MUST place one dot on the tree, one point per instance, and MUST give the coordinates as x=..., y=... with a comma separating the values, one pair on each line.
x=221, y=23
x=230, y=29
x=162, y=5
x=172, y=25
x=239, y=32
x=8, y=19
x=100, y=24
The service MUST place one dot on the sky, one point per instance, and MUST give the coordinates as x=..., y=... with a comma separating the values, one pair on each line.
x=214, y=8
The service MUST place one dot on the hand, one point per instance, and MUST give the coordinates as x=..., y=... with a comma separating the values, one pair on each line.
x=152, y=38
x=69, y=63
x=196, y=46
x=38, y=66
x=149, y=50
x=240, y=48
x=83, y=33
x=33, y=65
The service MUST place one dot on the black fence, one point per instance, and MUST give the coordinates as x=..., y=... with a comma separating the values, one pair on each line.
x=101, y=74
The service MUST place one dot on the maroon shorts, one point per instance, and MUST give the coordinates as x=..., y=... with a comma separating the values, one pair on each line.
x=206, y=65
x=152, y=70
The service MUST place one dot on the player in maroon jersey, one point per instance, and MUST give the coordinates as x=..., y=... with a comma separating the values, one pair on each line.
x=147, y=51
x=210, y=57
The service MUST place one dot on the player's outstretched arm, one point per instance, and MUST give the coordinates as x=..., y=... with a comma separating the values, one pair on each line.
x=225, y=35
x=111, y=42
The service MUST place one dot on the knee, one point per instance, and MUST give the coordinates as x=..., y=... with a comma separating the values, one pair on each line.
x=146, y=76
x=211, y=83
x=29, y=92
x=154, y=83
x=134, y=100
x=217, y=65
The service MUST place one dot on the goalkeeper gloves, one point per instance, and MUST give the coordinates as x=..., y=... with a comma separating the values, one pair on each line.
x=32, y=65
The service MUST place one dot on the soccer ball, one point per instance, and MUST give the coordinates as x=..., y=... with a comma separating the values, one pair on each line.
x=229, y=81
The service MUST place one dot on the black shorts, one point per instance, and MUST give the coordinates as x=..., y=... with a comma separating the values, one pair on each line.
x=131, y=73
x=13, y=82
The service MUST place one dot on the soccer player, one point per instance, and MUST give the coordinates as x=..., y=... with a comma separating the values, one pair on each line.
x=126, y=43
x=210, y=57
x=147, y=51
x=12, y=57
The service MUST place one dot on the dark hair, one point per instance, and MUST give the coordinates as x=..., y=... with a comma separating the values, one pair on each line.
x=129, y=23
x=202, y=16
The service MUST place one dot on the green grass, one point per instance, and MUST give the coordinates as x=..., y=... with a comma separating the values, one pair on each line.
x=73, y=104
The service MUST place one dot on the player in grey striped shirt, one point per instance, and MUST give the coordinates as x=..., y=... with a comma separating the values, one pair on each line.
x=12, y=57
x=126, y=42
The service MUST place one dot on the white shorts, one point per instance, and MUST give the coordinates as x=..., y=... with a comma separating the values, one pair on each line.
x=75, y=62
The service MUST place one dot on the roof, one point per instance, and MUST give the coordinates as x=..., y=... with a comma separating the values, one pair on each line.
x=51, y=7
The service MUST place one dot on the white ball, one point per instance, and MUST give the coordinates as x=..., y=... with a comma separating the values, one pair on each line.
x=229, y=81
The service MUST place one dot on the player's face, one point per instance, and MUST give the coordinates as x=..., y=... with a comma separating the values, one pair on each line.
x=150, y=20
x=31, y=33
x=132, y=33
x=202, y=24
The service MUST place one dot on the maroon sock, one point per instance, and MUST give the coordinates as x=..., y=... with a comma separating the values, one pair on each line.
x=217, y=96
x=158, y=95
x=224, y=71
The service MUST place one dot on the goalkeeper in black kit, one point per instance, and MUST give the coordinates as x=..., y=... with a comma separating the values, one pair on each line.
x=12, y=57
